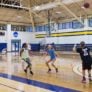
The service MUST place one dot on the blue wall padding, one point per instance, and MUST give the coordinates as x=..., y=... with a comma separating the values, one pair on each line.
x=3, y=46
x=59, y=47
x=67, y=47
x=35, y=47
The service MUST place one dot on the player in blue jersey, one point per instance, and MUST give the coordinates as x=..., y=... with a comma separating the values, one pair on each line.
x=52, y=54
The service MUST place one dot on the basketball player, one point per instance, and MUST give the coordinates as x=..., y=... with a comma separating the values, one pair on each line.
x=24, y=53
x=84, y=52
x=51, y=53
x=53, y=46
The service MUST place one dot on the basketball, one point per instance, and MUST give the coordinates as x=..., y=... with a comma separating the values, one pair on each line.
x=86, y=5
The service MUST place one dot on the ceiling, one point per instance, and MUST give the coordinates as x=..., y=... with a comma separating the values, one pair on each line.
x=37, y=11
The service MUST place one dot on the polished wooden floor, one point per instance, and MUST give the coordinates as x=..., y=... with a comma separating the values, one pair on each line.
x=69, y=75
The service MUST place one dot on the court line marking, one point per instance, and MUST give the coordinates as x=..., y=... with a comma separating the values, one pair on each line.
x=77, y=70
x=38, y=84
x=11, y=87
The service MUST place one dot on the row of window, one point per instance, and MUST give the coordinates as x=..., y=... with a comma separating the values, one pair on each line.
x=59, y=26
x=69, y=25
x=52, y=27
x=21, y=28
x=16, y=28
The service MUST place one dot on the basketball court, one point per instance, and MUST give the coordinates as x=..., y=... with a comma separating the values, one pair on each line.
x=38, y=23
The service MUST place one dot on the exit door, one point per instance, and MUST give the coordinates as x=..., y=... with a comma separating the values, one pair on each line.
x=15, y=45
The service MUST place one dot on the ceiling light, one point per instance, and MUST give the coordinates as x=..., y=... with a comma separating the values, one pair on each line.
x=58, y=12
x=37, y=7
x=83, y=7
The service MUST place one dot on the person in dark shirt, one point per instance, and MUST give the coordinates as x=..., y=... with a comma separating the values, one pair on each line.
x=84, y=52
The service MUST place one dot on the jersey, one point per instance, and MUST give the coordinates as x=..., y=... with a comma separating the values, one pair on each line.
x=51, y=53
x=84, y=54
x=25, y=53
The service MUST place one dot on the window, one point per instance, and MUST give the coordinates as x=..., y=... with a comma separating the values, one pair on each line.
x=52, y=27
x=70, y=24
x=90, y=22
x=55, y=26
x=29, y=29
x=37, y=28
x=40, y=28
x=46, y=28
x=3, y=27
x=64, y=25
x=60, y=26
x=77, y=24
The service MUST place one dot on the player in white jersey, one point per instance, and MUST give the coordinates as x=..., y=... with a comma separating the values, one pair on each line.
x=24, y=53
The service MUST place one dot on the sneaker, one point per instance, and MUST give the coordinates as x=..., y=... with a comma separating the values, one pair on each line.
x=31, y=73
x=25, y=71
x=84, y=80
x=49, y=70
x=56, y=70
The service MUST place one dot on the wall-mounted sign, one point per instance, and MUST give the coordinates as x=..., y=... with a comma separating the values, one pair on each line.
x=15, y=34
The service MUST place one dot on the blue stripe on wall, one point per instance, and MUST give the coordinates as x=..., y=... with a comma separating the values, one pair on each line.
x=59, y=47
x=38, y=84
x=67, y=47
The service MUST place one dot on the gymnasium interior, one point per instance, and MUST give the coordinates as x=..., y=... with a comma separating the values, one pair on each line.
x=38, y=23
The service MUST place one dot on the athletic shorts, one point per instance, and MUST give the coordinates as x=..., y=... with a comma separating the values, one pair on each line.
x=27, y=60
x=86, y=65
